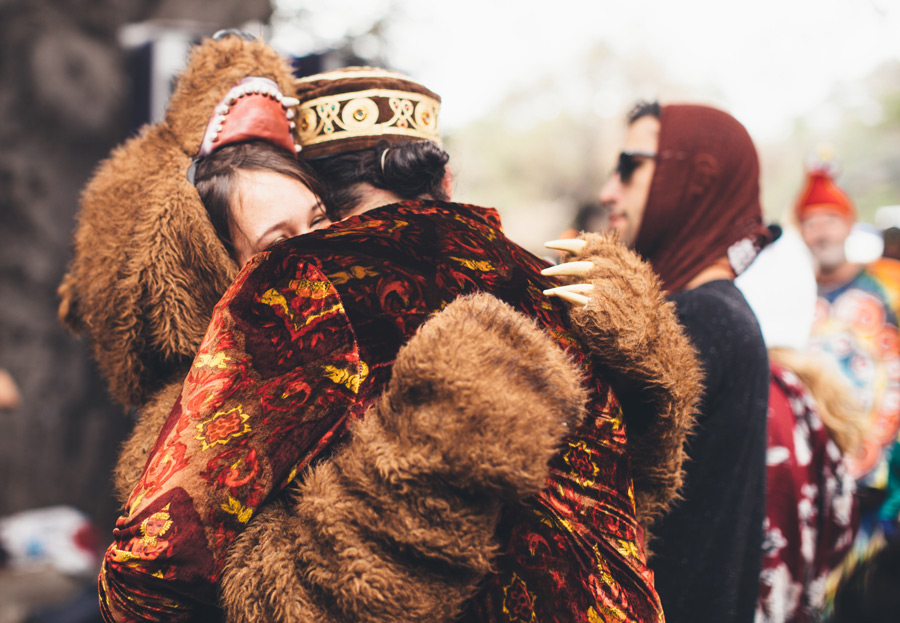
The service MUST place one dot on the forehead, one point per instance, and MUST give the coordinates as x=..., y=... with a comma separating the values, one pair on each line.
x=823, y=215
x=643, y=135
x=264, y=197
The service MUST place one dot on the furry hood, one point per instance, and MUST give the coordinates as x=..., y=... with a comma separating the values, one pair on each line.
x=148, y=267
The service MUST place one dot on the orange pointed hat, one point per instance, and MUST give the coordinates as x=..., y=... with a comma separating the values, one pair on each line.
x=822, y=194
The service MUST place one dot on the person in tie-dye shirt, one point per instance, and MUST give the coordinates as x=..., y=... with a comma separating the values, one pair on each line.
x=856, y=325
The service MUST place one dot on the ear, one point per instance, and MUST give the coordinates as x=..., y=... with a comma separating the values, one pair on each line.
x=447, y=183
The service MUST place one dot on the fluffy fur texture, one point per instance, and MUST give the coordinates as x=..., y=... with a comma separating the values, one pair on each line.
x=412, y=499
x=390, y=506
x=148, y=267
x=398, y=525
x=633, y=331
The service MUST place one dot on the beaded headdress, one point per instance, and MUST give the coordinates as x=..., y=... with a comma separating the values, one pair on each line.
x=254, y=109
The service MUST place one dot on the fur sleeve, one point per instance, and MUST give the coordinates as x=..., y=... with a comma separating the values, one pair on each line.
x=399, y=524
x=634, y=334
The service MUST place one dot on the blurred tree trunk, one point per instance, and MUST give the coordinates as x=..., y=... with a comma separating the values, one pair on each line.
x=62, y=108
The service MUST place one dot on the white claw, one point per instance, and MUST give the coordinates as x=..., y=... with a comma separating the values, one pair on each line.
x=222, y=109
x=297, y=148
x=578, y=288
x=288, y=102
x=292, y=125
x=571, y=245
x=571, y=269
x=289, y=114
x=573, y=298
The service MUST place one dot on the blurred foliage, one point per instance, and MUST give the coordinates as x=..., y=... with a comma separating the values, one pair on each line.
x=549, y=145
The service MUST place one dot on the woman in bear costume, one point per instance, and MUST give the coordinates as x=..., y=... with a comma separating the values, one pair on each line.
x=402, y=518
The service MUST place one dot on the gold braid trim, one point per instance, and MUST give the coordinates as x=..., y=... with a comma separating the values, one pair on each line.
x=356, y=114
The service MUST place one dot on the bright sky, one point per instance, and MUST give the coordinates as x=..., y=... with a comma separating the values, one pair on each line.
x=766, y=61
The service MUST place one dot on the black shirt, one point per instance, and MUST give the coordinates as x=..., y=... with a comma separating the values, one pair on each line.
x=708, y=548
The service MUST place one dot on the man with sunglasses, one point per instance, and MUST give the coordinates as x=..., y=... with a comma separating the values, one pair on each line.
x=685, y=194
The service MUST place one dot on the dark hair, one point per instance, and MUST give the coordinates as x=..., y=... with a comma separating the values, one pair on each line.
x=868, y=591
x=644, y=109
x=410, y=170
x=215, y=177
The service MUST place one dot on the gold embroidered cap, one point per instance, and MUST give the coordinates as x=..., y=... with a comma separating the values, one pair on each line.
x=356, y=107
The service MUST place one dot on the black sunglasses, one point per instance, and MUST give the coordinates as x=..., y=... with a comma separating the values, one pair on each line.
x=629, y=161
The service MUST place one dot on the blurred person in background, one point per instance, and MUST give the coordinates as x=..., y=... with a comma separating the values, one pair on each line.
x=590, y=217
x=867, y=590
x=9, y=391
x=813, y=424
x=685, y=195
x=856, y=326
x=891, y=237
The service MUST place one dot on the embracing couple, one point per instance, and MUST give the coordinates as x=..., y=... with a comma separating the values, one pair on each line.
x=357, y=400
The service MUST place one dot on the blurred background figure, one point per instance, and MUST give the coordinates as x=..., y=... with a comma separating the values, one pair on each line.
x=867, y=591
x=891, y=237
x=48, y=563
x=856, y=326
x=9, y=391
x=590, y=217
x=813, y=423
x=685, y=195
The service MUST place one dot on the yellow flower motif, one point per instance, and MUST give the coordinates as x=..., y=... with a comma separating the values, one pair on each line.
x=317, y=289
x=274, y=298
x=518, y=602
x=607, y=613
x=628, y=548
x=580, y=459
x=479, y=265
x=222, y=428
x=234, y=507
x=618, y=421
x=218, y=360
x=354, y=272
x=344, y=377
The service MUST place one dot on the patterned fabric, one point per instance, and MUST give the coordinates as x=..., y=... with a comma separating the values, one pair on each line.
x=303, y=341
x=856, y=325
x=810, y=520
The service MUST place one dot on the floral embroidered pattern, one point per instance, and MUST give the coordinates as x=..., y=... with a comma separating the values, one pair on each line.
x=580, y=460
x=222, y=428
x=518, y=603
x=300, y=345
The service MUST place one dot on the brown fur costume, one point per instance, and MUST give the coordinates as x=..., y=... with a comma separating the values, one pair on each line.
x=398, y=525
x=632, y=329
x=148, y=267
x=146, y=274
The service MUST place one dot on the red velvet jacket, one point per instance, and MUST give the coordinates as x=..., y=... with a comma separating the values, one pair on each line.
x=303, y=341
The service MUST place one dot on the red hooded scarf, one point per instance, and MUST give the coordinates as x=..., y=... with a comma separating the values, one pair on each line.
x=704, y=197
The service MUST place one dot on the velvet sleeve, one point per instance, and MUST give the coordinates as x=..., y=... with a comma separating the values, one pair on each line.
x=275, y=377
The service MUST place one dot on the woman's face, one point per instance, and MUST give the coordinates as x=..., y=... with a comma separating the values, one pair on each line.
x=269, y=207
